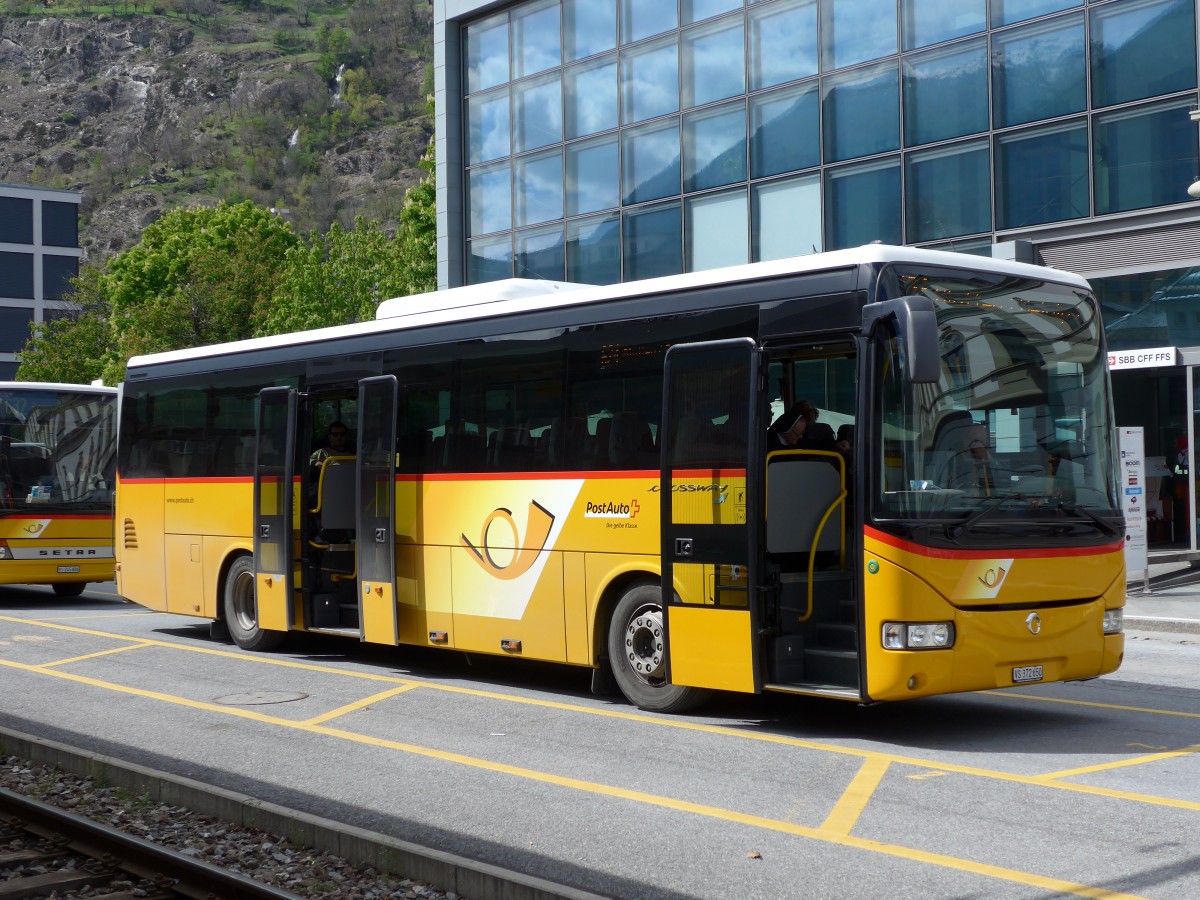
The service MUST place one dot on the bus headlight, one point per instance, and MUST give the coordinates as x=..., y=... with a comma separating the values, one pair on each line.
x=5, y=553
x=1114, y=621
x=918, y=635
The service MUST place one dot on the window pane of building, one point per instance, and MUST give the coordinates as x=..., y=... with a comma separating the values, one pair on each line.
x=1042, y=176
x=1006, y=12
x=589, y=27
x=699, y=10
x=57, y=272
x=60, y=223
x=1143, y=157
x=945, y=93
x=14, y=328
x=928, y=22
x=714, y=66
x=787, y=218
x=653, y=242
x=855, y=31
x=1039, y=71
x=541, y=253
x=539, y=187
x=948, y=192
x=593, y=176
x=489, y=198
x=489, y=259
x=650, y=80
x=16, y=275
x=718, y=227
x=862, y=112
x=591, y=97
x=594, y=250
x=785, y=132
x=646, y=18
x=783, y=42
x=16, y=221
x=487, y=127
x=1140, y=49
x=487, y=53
x=536, y=39
x=714, y=147
x=862, y=204
x=537, y=113
x=650, y=162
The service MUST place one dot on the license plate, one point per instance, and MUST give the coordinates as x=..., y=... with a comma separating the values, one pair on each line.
x=68, y=570
x=1027, y=673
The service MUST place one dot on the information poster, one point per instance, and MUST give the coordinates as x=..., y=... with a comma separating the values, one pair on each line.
x=1133, y=491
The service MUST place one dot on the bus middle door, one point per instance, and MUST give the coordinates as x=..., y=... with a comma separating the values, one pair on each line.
x=376, y=527
x=274, y=555
x=709, y=487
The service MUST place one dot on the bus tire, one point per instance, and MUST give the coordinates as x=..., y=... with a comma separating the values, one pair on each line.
x=69, y=588
x=637, y=650
x=241, y=609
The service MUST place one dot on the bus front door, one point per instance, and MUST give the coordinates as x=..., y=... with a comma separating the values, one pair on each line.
x=709, y=487
x=376, y=527
x=273, y=499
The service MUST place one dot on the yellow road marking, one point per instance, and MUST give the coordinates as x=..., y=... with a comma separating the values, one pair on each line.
x=361, y=704
x=855, y=798
x=818, y=834
x=1119, y=764
x=1096, y=705
x=74, y=659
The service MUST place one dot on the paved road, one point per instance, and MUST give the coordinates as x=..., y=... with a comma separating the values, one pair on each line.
x=1074, y=789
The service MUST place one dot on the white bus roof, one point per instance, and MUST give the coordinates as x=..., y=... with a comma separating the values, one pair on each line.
x=56, y=386
x=517, y=295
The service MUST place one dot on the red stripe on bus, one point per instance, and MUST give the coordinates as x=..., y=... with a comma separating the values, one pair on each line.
x=1031, y=553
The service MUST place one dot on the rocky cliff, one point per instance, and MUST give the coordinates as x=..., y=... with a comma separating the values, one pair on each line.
x=146, y=112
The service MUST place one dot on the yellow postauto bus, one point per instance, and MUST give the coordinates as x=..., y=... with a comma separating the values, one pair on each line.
x=584, y=475
x=58, y=450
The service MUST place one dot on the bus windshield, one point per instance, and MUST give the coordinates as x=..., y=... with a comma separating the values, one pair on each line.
x=1014, y=440
x=57, y=450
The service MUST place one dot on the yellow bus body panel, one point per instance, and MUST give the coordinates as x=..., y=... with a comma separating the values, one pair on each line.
x=694, y=631
x=991, y=638
x=378, y=603
x=44, y=546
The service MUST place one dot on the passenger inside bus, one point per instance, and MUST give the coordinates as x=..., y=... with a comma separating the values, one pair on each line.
x=798, y=429
x=337, y=443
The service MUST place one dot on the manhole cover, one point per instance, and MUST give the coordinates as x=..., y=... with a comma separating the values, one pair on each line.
x=260, y=698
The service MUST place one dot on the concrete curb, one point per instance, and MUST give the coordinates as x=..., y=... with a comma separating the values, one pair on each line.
x=466, y=877
x=1151, y=623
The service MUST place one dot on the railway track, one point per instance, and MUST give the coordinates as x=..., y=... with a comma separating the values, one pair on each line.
x=50, y=852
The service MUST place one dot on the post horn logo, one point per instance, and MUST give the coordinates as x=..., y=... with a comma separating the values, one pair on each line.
x=525, y=551
x=993, y=578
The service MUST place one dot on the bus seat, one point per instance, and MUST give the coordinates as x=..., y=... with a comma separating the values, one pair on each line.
x=336, y=498
x=600, y=443
x=464, y=451
x=800, y=489
x=512, y=448
x=630, y=441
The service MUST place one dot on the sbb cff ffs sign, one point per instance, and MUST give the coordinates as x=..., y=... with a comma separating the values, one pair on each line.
x=1150, y=358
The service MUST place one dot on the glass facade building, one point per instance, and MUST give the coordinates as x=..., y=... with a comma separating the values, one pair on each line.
x=610, y=140
x=39, y=255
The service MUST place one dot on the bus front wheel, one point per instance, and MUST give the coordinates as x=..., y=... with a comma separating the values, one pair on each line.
x=637, y=649
x=69, y=588
x=241, y=609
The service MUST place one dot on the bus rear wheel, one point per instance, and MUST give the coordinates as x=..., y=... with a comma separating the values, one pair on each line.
x=241, y=609
x=69, y=588
x=637, y=649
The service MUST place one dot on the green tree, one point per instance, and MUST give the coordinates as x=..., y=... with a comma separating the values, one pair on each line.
x=73, y=346
x=416, y=237
x=198, y=276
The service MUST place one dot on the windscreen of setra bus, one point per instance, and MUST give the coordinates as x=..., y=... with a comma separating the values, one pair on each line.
x=57, y=450
x=1015, y=438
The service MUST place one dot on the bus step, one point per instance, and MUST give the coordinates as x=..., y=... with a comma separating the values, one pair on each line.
x=831, y=666
x=837, y=635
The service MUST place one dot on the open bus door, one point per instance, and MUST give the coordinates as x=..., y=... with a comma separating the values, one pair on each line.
x=275, y=453
x=710, y=515
x=376, y=527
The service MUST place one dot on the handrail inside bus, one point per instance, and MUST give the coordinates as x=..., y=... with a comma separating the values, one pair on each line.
x=325, y=464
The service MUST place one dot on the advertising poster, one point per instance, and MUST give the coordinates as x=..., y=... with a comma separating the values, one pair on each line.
x=1133, y=493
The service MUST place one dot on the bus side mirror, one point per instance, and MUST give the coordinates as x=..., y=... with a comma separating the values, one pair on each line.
x=916, y=325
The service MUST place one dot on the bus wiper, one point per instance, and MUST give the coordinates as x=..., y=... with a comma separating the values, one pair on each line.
x=953, y=531
x=1102, y=524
